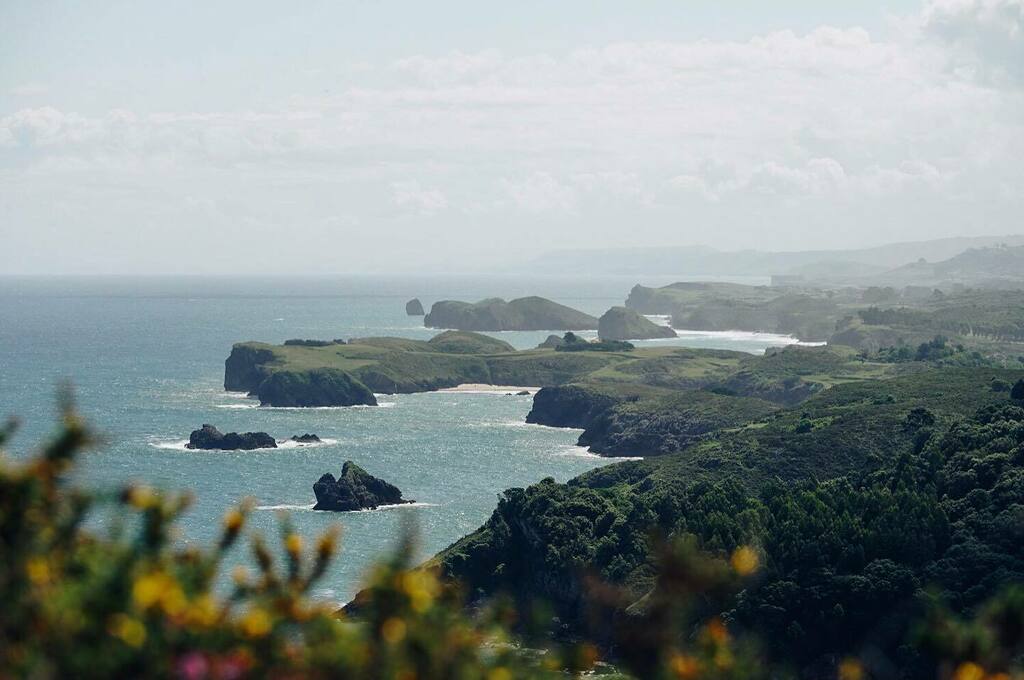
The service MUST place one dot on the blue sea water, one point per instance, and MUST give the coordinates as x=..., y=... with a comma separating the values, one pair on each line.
x=146, y=360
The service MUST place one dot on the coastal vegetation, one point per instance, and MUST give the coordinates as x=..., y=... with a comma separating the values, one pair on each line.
x=868, y=504
x=134, y=602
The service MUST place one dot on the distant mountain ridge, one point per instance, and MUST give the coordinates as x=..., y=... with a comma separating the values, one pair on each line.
x=704, y=260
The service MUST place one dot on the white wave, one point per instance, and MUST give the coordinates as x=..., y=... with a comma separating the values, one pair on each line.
x=236, y=395
x=236, y=406
x=285, y=506
x=288, y=506
x=383, y=404
x=744, y=336
x=580, y=452
x=290, y=444
x=175, y=445
x=398, y=506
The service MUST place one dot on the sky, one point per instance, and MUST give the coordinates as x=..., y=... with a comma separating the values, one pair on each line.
x=258, y=137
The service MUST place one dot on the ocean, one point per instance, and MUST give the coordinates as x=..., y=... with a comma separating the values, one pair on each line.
x=145, y=357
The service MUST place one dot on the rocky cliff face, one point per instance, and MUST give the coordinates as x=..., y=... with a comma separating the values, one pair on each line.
x=355, y=489
x=620, y=323
x=210, y=438
x=495, y=314
x=414, y=307
x=569, y=406
x=313, y=387
x=245, y=368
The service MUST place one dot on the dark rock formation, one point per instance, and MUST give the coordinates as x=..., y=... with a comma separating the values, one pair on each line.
x=210, y=438
x=305, y=438
x=620, y=323
x=1017, y=392
x=355, y=489
x=245, y=368
x=495, y=314
x=523, y=393
x=552, y=342
x=313, y=387
x=414, y=307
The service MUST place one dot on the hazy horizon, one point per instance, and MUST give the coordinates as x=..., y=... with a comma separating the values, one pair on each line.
x=253, y=138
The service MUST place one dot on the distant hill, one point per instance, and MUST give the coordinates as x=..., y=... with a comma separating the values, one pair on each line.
x=975, y=266
x=703, y=260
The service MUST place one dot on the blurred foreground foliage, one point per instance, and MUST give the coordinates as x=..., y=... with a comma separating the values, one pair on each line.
x=137, y=604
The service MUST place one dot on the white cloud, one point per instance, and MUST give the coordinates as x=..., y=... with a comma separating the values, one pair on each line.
x=924, y=126
x=409, y=194
x=986, y=36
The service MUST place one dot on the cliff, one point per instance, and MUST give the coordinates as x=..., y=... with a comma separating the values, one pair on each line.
x=313, y=387
x=495, y=314
x=621, y=323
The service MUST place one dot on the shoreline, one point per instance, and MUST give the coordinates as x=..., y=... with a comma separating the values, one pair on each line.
x=489, y=389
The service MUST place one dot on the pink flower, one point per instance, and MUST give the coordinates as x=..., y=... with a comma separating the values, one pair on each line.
x=193, y=666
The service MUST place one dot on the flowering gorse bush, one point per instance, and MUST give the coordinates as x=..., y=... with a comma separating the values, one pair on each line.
x=134, y=603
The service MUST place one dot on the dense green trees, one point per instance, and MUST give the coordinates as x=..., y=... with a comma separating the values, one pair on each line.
x=848, y=563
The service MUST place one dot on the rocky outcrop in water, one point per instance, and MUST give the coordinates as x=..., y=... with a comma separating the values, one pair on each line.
x=355, y=489
x=620, y=323
x=414, y=307
x=210, y=438
x=305, y=438
x=495, y=314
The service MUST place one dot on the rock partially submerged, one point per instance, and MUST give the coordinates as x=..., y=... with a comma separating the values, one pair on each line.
x=210, y=438
x=621, y=323
x=414, y=307
x=305, y=438
x=355, y=489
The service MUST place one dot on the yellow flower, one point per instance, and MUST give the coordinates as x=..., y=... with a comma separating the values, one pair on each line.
x=500, y=673
x=745, y=560
x=684, y=666
x=38, y=570
x=850, y=669
x=256, y=623
x=716, y=629
x=969, y=671
x=147, y=590
x=203, y=611
x=233, y=520
x=421, y=587
x=393, y=630
x=293, y=544
x=129, y=630
x=141, y=497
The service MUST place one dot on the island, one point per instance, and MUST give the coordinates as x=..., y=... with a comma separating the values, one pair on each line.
x=622, y=323
x=414, y=307
x=210, y=438
x=354, y=489
x=495, y=314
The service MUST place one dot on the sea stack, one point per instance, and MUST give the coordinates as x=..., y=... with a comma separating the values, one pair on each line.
x=414, y=307
x=355, y=489
x=210, y=438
